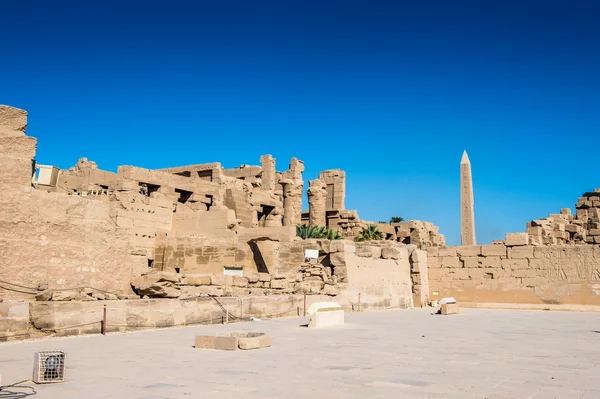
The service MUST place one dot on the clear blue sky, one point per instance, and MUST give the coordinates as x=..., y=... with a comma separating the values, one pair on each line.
x=390, y=91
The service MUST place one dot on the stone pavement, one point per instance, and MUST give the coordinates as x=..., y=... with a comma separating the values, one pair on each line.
x=479, y=354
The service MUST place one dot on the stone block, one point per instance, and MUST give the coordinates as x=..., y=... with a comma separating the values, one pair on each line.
x=520, y=252
x=14, y=309
x=450, y=261
x=389, y=253
x=265, y=340
x=13, y=120
x=418, y=267
x=468, y=250
x=221, y=279
x=514, y=264
x=450, y=308
x=65, y=295
x=239, y=281
x=594, y=232
x=264, y=277
x=246, y=343
x=516, y=239
x=433, y=262
x=418, y=256
x=221, y=343
x=460, y=274
x=477, y=273
x=331, y=290
x=493, y=250
x=338, y=259
x=471, y=261
x=19, y=147
x=491, y=262
x=198, y=279
x=326, y=318
x=336, y=246
x=363, y=251
x=433, y=251
x=279, y=284
x=13, y=324
x=447, y=251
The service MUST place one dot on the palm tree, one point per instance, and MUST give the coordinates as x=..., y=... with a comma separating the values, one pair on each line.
x=396, y=219
x=307, y=231
x=331, y=234
x=370, y=233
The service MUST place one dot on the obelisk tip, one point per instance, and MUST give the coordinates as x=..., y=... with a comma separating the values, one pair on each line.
x=465, y=159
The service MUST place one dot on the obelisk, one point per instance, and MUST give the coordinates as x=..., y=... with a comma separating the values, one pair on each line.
x=467, y=211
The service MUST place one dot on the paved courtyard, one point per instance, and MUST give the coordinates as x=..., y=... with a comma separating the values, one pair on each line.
x=480, y=354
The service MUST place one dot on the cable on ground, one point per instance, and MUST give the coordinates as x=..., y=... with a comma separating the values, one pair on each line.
x=10, y=394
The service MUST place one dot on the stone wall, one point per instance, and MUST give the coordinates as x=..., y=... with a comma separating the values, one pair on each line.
x=516, y=273
x=14, y=320
x=75, y=318
x=49, y=239
x=566, y=228
x=378, y=271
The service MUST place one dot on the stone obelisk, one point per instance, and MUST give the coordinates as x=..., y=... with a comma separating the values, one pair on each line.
x=467, y=211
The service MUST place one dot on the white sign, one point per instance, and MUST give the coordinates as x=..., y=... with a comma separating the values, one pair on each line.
x=311, y=253
x=233, y=271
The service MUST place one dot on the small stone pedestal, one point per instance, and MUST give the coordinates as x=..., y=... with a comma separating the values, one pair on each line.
x=325, y=314
x=233, y=341
x=450, y=308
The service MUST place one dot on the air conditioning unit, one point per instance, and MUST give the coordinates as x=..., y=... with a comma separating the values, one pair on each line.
x=49, y=367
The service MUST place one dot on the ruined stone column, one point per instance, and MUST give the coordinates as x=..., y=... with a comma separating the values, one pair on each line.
x=317, y=195
x=292, y=193
x=16, y=151
x=268, y=172
x=467, y=211
x=292, y=204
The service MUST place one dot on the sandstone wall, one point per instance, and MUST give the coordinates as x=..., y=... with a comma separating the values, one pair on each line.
x=516, y=273
x=51, y=239
x=378, y=271
x=75, y=318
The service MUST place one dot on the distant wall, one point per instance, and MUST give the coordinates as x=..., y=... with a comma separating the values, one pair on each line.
x=526, y=274
x=379, y=271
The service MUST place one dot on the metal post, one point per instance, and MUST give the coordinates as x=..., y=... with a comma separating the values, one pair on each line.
x=359, y=307
x=104, y=321
x=226, y=313
x=304, y=305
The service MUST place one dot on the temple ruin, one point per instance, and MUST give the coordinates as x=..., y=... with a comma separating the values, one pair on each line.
x=204, y=244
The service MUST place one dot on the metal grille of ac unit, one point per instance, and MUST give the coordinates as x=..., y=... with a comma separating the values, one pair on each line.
x=49, y=367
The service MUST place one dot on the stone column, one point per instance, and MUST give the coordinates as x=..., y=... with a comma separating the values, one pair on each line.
x=268, y=172
x=467, y=212
x=16, y=151
x=292, y=203
x=293, y=187
x=317, y=195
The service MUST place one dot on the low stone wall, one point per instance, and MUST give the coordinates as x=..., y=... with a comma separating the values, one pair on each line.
x=14, y=320
x=516, y=273
x=77, y=318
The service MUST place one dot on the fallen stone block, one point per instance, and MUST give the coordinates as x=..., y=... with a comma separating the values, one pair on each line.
x=327, y=318
x=325, y=314
x=233, y=341
x=198, y=279
x=449, y=308
x=246, y=343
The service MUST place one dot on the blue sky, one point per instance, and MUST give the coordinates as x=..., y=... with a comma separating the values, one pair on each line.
x=390, y=91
